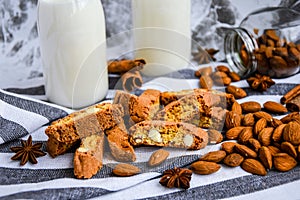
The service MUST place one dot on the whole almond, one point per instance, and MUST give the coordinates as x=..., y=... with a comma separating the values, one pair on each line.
x=236, y=107
x=274, y=122
x=158, y=157
x=234, y=132
x=284, y=162
x=248, y=120
x=274, y=150
x=206, y=82
x=245, y=151
x=124, y=169
x=237, y=92
x=233, y=160
x=254, y=167
x=291, y=133
x=219, y=74
x=234, y=76
x=226, y=80
x=228, y=147
x=289, y=149
x=232, y=120
x=277, y=133
x=260, y=125
x=294, y=116
x=298, y=152
x=262, y=114
x=274, y=107
x=265, y=157
x=254, y=144
x=223, y=68
x=250, y=107
x=204, y=71
x=214, y=136
x=204, y=167
x=245, y=135
x=264, y=136
x=214, y=156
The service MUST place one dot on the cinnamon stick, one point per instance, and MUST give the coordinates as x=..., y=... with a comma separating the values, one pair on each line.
x=290, y=94
x=123, y=66
x=294, y=104
x=131, y=80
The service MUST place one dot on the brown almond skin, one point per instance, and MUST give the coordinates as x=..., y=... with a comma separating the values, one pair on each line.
x=274, y=107
x=298, y=152
x=284, y=162
x=289, y=149
x=237, y=92
x=250, y=107
x=245, y=135
x=204, y=168
x=265, y=157
x=124, y=169
x=232, y=120
x=158, y=157
x=248, y=120
x=204, y=71
x=236, y=107
x=206, y=82
x=260, y=125
x=277, y=133
x=254, y=144
x=264, y=136
x=234, y=132
x=245, y=151
x=223, y=68
x=214, y=156
x=234, y=76
x=291, y=133
x=274, y=150
x=291, y=117
x=262, y=114
x=233, y=160
x=274, y=122
x=254, y=167
x=214, y=136
x=228, y=147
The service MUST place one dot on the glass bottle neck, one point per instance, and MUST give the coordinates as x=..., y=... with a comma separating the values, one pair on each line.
x=239, y=48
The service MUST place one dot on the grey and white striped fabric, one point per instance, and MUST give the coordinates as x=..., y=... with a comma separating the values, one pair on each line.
x=23, y=114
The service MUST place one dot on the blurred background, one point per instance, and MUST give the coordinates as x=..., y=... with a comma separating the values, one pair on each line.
x=20, y=59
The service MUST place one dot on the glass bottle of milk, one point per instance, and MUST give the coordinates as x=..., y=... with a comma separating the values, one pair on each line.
x=162, y=34
x=73, y=49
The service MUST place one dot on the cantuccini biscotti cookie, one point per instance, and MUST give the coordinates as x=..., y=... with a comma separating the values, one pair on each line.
x=145, y=106
x=88, y=157
x=67, y=132
x=168, y=134
x=119, y=145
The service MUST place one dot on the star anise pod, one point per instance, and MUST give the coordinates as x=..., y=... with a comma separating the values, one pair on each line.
x=260, y=82
x=177, y=177
x=27, y=152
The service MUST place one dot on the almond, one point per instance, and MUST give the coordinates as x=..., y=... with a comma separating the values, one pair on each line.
x=204, y=71
x=250, y=107
x=228, y=147
x=214, y=136
x=234, y=76
x=298, y=152
x=274, y=150
x=158, y=157
x=289, y=149
x=214, y=156
x=234, y=132
x=294, y=116
x=245, y=135
x=254, y=144
x=248, y=120
x=277, y=133
x=232, y=120
x=237, y=92
x=260, y=125
x=204, y=167
x=265, y=157
x=274, y=107
x=264, y=136
x=223, y=68
x=245, y=151
x=284, y=162
x=124, y=169
x=233, y=160
x=262, y=114
x=254, y=167
x=206, y=82
x=274, y=122
x=236, y=107
x=291, y=133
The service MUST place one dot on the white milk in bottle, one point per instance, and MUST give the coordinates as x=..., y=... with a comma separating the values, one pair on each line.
x=73, y=49
x=162, y=34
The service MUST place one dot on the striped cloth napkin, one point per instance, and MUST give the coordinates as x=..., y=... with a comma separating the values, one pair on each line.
x=23, y=114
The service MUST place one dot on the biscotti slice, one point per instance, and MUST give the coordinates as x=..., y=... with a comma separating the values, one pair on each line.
x=65, y=133
x=120, y=147
x=88, y=157
x=145, y=106
x=168, y=134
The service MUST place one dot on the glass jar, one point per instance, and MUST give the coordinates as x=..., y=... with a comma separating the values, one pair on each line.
x=267, y=41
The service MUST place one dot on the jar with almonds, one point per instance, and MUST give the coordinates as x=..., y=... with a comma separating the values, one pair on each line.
x=267, y=41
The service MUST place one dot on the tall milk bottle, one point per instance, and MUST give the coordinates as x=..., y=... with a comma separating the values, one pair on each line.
x=73, y=49
x=162, y=34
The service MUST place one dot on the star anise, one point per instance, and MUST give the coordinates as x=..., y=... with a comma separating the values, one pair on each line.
x=203, y=57
x=27, y=152
x=260, y=82
x=177, y=177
